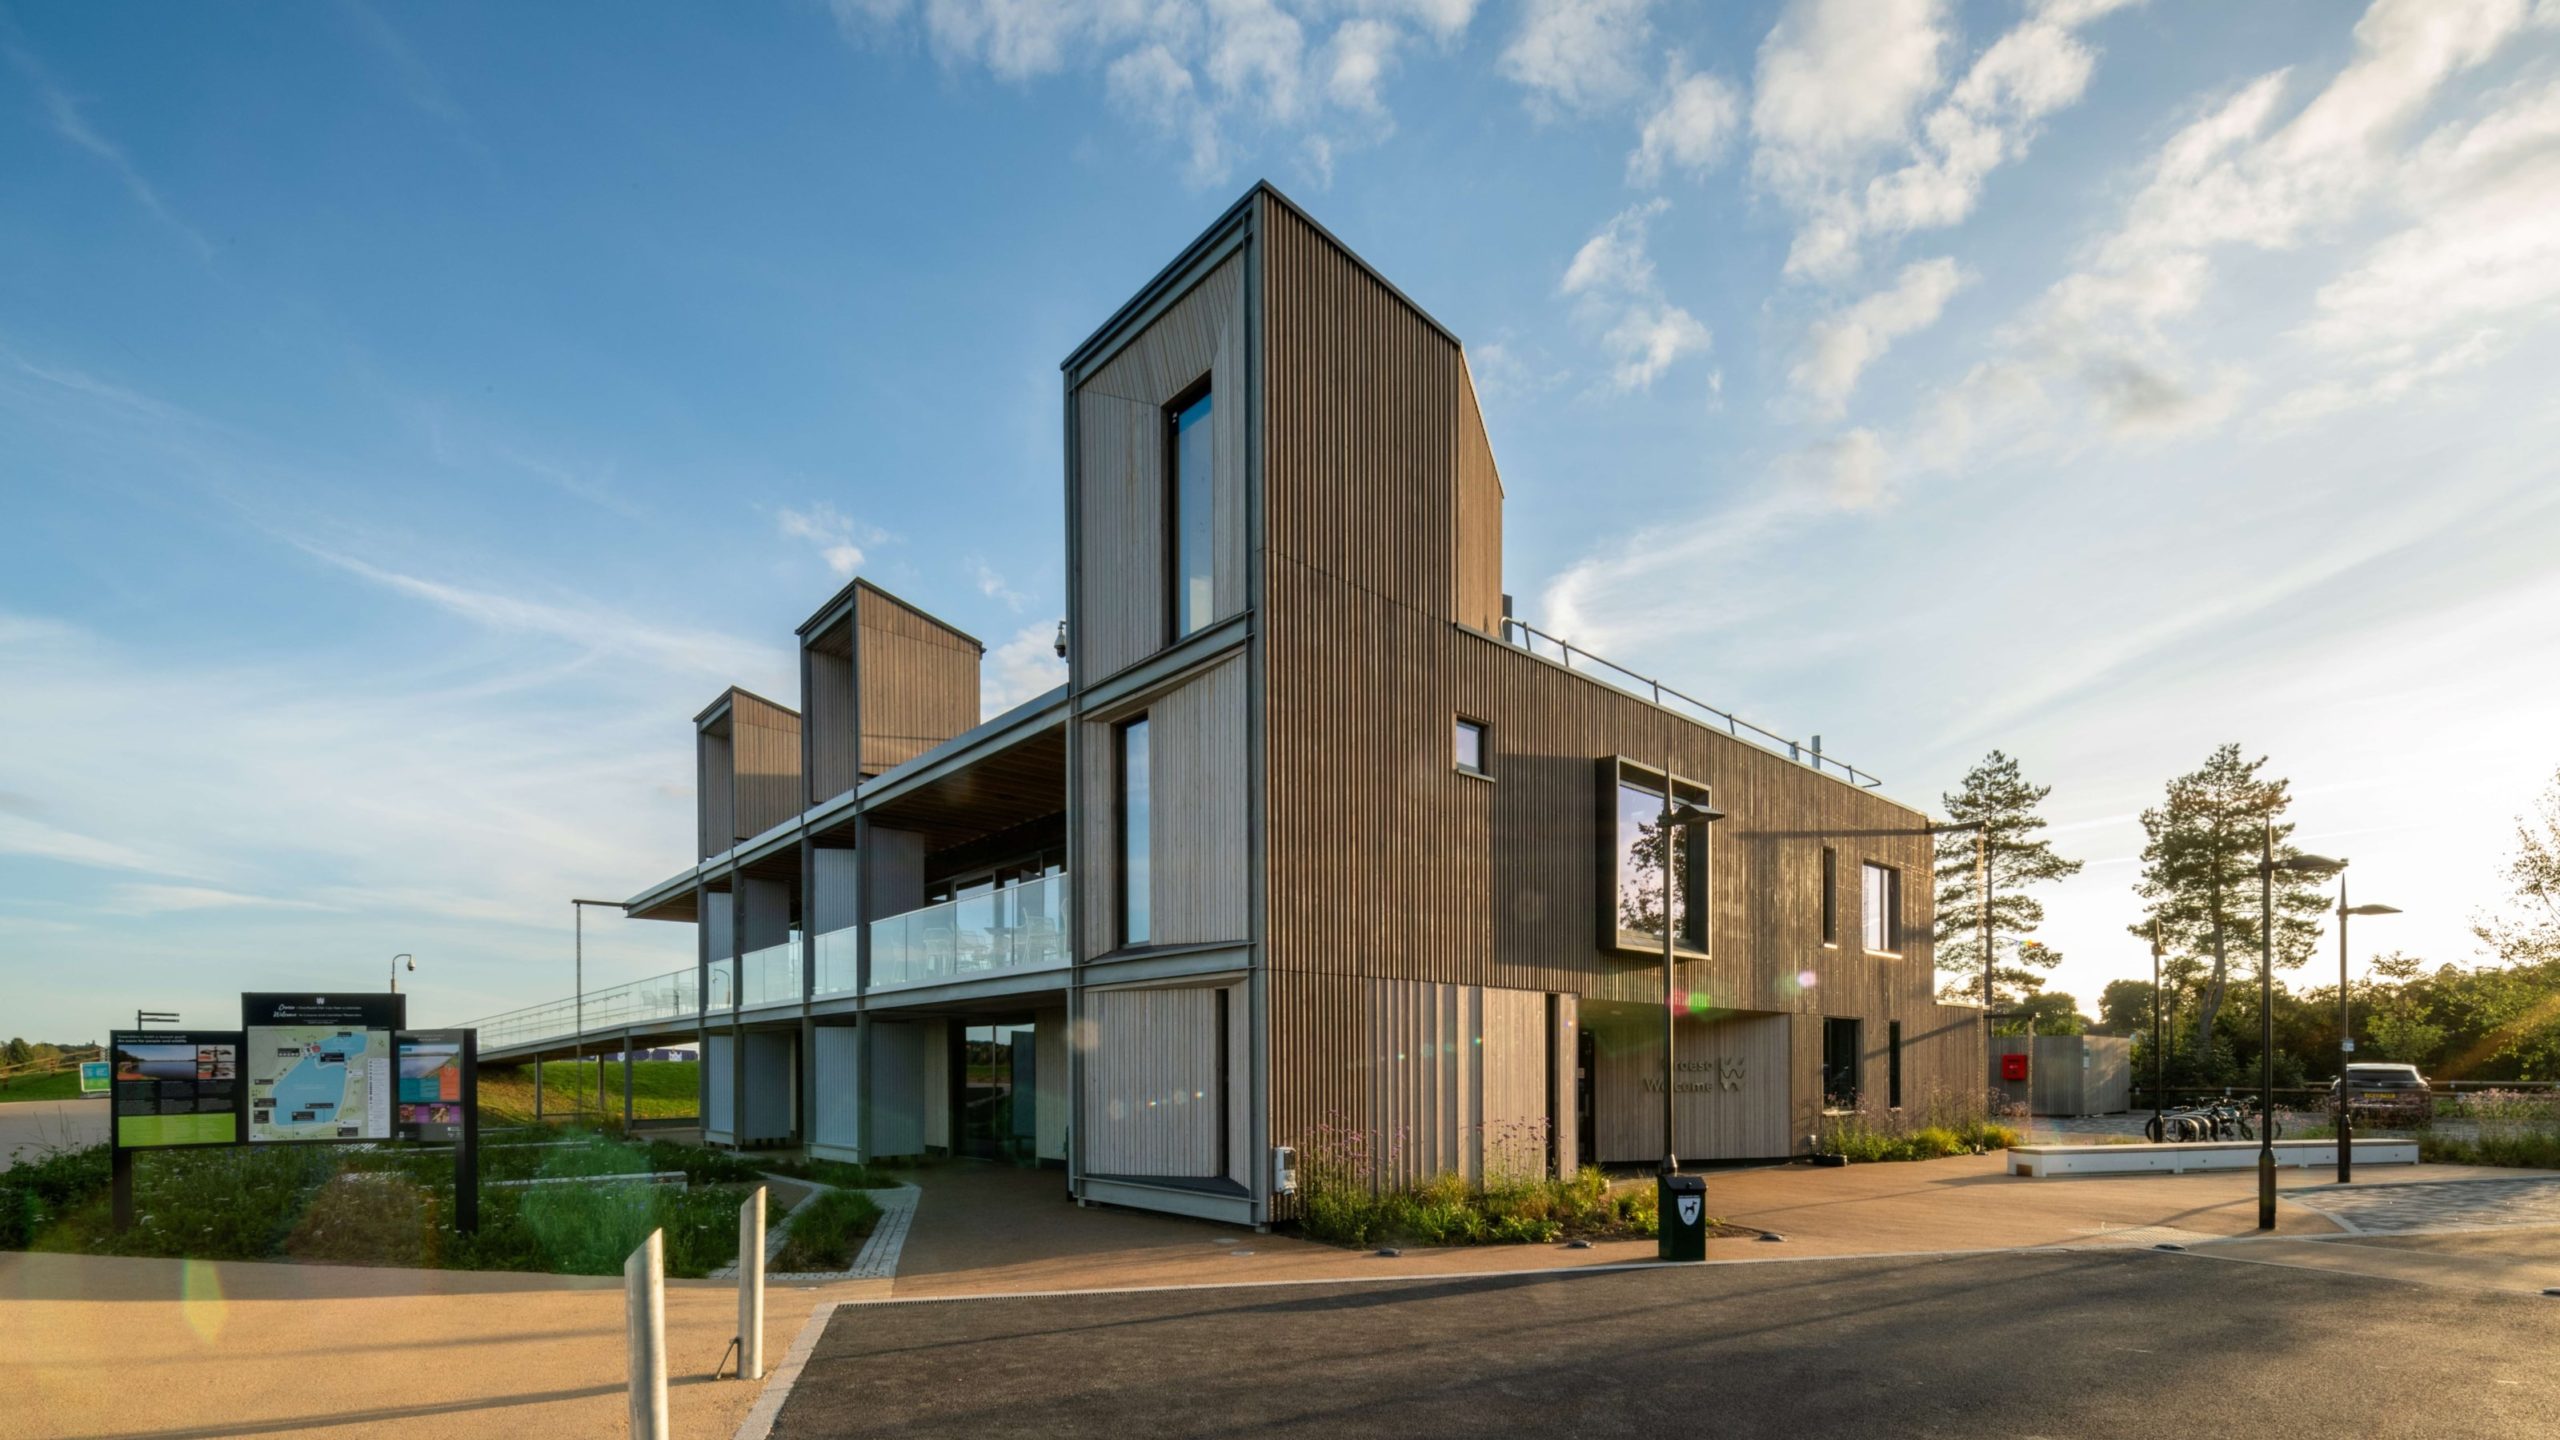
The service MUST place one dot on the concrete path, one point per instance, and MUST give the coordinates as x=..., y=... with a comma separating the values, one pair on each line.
x=163, y=1349
x=35, y=1126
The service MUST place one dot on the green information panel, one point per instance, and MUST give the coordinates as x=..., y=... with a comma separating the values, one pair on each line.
x=174, y=1087
x=95, y=1076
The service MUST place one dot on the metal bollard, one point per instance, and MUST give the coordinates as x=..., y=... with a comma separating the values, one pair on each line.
x=644, y=1292
x=751, y=1287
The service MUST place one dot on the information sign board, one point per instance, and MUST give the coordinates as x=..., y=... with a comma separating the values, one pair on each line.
x=319, y=1067
x=433, y=1088
x=96, y=1076
x=174, y=1087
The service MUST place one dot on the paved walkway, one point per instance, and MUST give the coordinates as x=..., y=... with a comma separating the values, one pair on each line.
x=2384, y=1208
x=36, y=1126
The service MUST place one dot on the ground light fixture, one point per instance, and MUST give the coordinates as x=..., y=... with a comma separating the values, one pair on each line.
x=2268, y=865
x=404, y=957
x=1677, y=816
x=2346, y=1029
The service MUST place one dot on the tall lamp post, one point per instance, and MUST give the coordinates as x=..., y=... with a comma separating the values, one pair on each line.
x=395, y=969
x=2346, y=1031
x=1677, y=819
x=578, y=1001
x=2268, y=865
x=2156, y=1132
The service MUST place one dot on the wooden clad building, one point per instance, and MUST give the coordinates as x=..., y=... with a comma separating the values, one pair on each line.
x=1317, y=847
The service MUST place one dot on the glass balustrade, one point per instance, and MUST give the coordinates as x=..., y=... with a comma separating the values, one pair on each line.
x=723, y=995
x=638, y=1002
x=839, y=953
x=1020, y=927
x=770, y=976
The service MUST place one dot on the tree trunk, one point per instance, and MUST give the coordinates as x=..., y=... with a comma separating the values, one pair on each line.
x=2210, y=1004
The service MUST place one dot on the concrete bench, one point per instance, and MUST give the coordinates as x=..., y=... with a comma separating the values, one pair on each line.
x=2037, y=1161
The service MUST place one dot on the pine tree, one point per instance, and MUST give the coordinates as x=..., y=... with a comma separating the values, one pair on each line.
x=2005, y=804
x=2200, y=878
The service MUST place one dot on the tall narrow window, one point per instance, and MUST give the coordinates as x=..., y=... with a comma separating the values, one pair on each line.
x=1130, y=808
x=1190, y=514
x=1893, y=1064
x=1830, y=896
x=1641, y=856
x=1881, y=894
x=1840, y=1064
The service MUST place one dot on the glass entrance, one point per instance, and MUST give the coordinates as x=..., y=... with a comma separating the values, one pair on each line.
x=997, y=1093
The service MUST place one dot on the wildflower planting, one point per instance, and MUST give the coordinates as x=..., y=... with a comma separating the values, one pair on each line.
x=1361, y=1188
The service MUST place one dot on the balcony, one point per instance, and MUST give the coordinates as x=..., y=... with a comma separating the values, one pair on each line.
x=839, y=956
x=996, y=932
x=770, y=976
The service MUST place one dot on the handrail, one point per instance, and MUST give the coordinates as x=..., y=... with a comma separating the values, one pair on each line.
x=1643, y=685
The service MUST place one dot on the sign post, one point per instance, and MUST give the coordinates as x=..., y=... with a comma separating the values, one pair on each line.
x=167, y=1088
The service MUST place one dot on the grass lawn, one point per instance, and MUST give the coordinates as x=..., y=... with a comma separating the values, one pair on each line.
x=660, y=1089
x=61, y=1085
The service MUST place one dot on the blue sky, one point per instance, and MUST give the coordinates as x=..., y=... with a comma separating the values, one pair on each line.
x=410, y=415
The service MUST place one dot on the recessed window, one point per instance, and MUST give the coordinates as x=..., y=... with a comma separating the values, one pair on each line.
x=1641, y=856
x=1840, y=1064
x=1881, y=900
x=1189, y=513
x=1473, y=756
x=1132, y=818
x=1830, y=896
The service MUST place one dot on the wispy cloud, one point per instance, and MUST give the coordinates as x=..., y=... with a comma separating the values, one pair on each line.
x=838, y=538
x=73, y=125
x=1619, y=297
x=1024, y=667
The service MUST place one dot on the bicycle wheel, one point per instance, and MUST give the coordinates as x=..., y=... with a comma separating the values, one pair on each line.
x=2246, y=1133
x=2275, y=1128
x=2152, y=1129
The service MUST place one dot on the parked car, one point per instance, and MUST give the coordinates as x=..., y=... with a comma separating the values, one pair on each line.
x=2393, y=1094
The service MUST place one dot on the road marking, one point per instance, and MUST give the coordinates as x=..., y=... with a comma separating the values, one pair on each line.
x=777, y=1387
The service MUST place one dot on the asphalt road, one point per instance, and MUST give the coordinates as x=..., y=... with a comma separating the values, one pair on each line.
x=2086, y=1344
x=40, y=1125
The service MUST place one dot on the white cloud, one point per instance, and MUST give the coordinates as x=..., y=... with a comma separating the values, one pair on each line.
x=1846, y=472
x=1620, y=299
x=1024, y=667
x=24, y=835
x=830, y=531
x=1221, y=79
x=1841, y=82
x=992, y=584
x=1840, y=347
x=1579, y=55
x=155, y=899
x=1357, y=62
x=1688, y=131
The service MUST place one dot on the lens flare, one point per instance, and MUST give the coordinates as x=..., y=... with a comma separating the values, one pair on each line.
x=200, y=1299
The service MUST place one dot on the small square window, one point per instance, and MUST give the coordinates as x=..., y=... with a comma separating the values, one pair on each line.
x=1472, y=752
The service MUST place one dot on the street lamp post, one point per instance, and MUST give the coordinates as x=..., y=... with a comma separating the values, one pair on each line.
x=395, y=969
x=2268, y=865
x=1676, y=819
x=2346, y=1032
x=578, y=1000
x=2157, y=1132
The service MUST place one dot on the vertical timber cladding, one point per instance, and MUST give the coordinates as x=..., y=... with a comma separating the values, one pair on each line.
x=1385, y=864
x=1457, y=1080
x=1153, y=1087
x=829, y=724
x=1199, y=841
x=764, y=743
x=1733, y=1075
x=918, y=679
x=1122, y=471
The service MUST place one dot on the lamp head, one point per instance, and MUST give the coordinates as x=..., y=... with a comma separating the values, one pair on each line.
x=2371, y=910
x=1696, y=813
x=2310, y=865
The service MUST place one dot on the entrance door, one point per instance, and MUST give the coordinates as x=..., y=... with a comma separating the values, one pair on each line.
x=997, y=1094
x=1586, y=1122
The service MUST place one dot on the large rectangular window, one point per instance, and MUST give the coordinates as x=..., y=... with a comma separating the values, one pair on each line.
x=1881, y=892
x=1132, y=819
x=1641, y=852
x=1190, y=513
x=1840, y=1064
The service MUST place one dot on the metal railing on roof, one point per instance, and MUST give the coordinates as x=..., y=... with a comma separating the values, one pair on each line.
x=1608, y=672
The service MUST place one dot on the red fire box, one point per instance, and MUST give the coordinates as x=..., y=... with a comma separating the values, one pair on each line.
x=2013, y=1066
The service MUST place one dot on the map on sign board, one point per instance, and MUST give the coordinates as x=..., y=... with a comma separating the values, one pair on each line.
x=319, y=1068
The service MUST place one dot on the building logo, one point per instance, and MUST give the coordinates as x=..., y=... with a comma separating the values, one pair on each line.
x=1689, y=1209
x=1732, y=1076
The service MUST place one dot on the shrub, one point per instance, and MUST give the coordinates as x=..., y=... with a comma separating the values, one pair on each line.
x=844, y=1175
x=827, y=1231
x=1940, y=1127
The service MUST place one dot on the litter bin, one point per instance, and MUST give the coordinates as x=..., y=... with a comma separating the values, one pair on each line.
x=1682, y=1234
